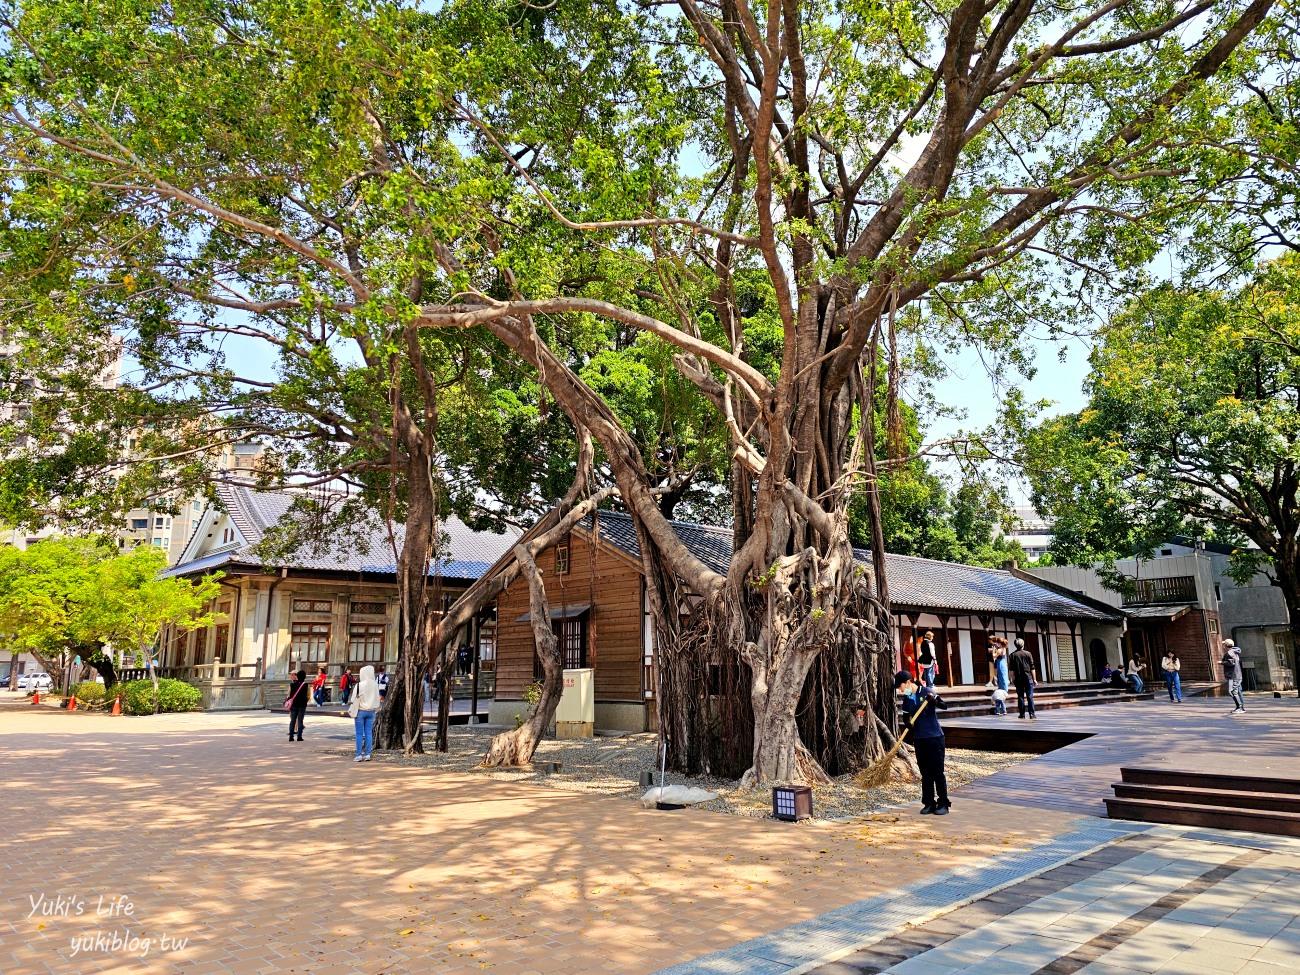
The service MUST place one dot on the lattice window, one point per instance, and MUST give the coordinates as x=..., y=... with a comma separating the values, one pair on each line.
x=313, y=605
x=562, y=559
x=368, y=609
x=573, y=642
x=309, y=642
x=571, y=635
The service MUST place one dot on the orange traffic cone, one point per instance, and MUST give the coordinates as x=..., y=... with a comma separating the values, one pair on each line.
x=36, y=697
x=72, y=703
x=117, y=705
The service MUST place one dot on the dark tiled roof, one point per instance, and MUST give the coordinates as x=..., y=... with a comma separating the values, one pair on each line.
x=913, y=583
x=367, y=548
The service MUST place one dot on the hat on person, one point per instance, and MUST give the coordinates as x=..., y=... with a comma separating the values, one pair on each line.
x=903, y=677
x=1228, y=643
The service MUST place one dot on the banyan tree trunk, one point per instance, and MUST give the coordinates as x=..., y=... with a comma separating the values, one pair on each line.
x=399, y=721
x=516, y=747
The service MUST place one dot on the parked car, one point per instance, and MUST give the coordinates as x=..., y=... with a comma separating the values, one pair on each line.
x=4, y=681
x=35, y=682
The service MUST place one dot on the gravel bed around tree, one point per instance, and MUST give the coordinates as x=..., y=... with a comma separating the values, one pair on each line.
x=612, y=766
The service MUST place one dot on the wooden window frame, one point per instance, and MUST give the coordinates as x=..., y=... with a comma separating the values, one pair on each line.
x=563, y=629
x=309, y=605
x=366, y=634
x=303, y=635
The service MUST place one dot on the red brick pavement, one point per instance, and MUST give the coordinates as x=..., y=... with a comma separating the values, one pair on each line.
x=271, y=857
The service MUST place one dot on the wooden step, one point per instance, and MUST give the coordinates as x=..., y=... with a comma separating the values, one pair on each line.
x=1215, y=817
x=1209, y=780
x=1041, y=690
x=967, y=710
x=1232, y=799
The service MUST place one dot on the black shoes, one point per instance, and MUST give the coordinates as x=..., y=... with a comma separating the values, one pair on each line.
x=941, y=811
x=929, y=810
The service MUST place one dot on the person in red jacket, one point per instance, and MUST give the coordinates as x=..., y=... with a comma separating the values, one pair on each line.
x=345, y=686
x=318, y=687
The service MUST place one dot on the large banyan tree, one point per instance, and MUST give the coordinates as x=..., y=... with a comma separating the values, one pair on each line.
x=766, y=191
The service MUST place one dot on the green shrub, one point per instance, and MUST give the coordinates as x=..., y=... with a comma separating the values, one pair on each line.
x=173, y=695
x=89, y=692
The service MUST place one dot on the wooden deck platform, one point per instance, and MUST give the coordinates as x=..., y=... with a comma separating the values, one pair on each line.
x=1199, y=735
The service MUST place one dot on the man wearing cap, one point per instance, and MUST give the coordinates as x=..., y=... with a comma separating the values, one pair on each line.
x=922, y=724
x=1232, y=671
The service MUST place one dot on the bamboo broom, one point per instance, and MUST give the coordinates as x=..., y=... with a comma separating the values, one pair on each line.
x=877, y=773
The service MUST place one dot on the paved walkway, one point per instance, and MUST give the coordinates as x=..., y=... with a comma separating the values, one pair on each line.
x=1198, y=735
x=271, y=857
x=1170, y=901
x=262, y=856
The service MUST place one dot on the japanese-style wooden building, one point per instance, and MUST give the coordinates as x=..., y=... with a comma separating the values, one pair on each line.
x=334, y=607
x=598, y=607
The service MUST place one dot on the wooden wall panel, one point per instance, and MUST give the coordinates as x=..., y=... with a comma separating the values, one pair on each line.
x=611, y=584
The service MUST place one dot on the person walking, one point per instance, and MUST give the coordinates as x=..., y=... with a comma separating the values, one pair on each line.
x=1000, y=680
x=1021, y=664
x=1171, y=665
x=382, y=679
x=1232, y=671
x=318, y=687
x=296, y=702
x=363, y=711
x=927, y=658
x=345, y=686
x=927, y=739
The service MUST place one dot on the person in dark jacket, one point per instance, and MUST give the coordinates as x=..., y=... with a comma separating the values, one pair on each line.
x=926, y=736
x=927, y=658
x=297, y=701
x=1232, y=673
x=1021, y=663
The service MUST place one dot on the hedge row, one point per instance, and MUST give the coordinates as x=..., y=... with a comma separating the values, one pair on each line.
x=137, y=695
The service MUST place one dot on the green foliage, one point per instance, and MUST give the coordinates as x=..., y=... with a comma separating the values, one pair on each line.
x=75, y=596
x=89, y=692
x=1192, y=427
x=532, y=695
x=921, y=516
x=173, y=695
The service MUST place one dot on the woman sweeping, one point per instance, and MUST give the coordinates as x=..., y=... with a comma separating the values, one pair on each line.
x=918, y=705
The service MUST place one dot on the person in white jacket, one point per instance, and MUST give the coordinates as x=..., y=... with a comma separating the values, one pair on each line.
x=366, y=705
x=1171, y=665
